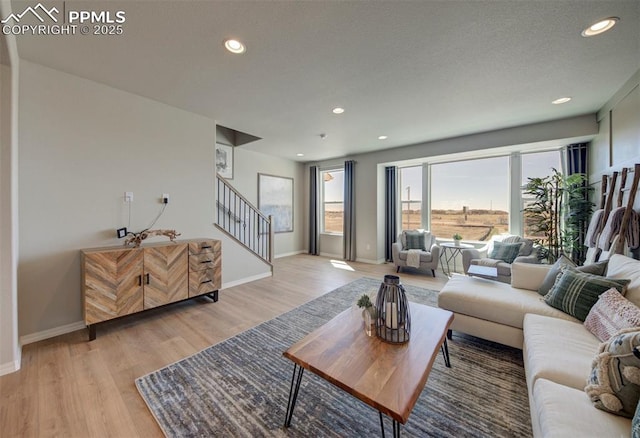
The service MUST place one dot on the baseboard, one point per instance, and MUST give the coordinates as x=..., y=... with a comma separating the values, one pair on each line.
x=331, y=256
x=290, y=254
x=50, y=333
x=371, y=262
x=10, y=367
x=246, y=280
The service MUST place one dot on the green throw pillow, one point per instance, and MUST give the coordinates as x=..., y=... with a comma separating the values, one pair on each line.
x=575, y=292
x=507, y=252
x=598, y=268
x=415, y=240
x=613, y=384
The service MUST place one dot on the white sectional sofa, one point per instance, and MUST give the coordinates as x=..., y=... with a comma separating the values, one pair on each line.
x=557, y=348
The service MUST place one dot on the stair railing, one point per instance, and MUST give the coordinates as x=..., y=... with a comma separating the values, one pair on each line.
x=243, y=222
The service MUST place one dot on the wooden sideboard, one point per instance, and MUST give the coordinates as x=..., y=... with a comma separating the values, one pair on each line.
x=119, y=281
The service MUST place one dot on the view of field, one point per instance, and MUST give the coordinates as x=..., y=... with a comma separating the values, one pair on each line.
x=474, y=225
x=477, y=225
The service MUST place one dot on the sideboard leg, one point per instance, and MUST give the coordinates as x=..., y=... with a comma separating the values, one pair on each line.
x=213, y=295
x=92, y=332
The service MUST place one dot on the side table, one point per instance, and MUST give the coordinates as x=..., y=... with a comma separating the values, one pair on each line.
x=450, y=251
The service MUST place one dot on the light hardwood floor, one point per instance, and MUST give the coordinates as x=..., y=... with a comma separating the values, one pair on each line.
x=69, y=387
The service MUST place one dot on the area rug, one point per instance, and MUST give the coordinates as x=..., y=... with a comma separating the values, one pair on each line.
x=239, y=387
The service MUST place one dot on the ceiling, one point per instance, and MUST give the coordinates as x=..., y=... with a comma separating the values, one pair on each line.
x=415, y=71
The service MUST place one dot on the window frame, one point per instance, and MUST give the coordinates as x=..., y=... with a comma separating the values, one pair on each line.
x=515, y=199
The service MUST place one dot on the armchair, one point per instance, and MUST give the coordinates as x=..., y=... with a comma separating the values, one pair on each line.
x=425, y=257
x=527, y=253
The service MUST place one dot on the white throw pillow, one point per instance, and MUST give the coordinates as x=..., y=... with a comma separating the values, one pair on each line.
x=528, y=276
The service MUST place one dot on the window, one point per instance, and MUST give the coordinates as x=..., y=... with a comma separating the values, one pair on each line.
x=332, y=200
x=470, y=198
x=537, y=165
x=411, y=197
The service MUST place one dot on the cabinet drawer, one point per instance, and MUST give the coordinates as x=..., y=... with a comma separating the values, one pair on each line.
x=200, y=262
x=204, y=246
x=202, y=282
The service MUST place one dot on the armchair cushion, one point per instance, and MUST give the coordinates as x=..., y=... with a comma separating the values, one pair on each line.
x=507, y=252
x=415, y=240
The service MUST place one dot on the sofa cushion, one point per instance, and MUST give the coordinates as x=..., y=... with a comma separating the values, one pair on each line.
x=528, y=275
x=611, y=313
x=493, y=301
x=557, y=350
x=613, y=384
x=507, y=252
x=415, y=240
x=562, y=411
x=625, y=267
x=575, y=292
x=598, y=268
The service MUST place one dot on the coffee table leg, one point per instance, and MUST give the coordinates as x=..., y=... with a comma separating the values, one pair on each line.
x=396, y=427
x=293, y=393
x=445, y=353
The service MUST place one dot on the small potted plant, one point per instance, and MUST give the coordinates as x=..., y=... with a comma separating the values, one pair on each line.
x=456, y=239
x=369, y=313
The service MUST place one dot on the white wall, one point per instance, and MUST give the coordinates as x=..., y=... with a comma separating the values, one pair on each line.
x=82, y=145
x=369, y=173
x=9, y=63
x=607, y=157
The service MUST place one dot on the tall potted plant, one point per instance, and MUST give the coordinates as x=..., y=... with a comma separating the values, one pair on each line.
x=558, y=213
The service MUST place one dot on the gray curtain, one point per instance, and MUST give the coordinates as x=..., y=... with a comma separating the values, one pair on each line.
x=577, y=155
x=314, y=231
x=391, y=210
x=349, y=225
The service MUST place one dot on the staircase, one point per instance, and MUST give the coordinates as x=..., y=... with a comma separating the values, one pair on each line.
x=243, y=222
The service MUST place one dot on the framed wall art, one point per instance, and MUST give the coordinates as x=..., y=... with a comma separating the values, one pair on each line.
x=224, y=160
x=275, y=198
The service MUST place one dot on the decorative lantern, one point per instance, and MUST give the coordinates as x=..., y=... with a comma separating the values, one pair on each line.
x=393, y=324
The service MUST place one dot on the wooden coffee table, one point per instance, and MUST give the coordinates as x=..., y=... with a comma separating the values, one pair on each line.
x=385, y=376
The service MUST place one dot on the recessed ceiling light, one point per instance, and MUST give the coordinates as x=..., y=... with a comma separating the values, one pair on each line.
x=338, y=110
x=299, y=155
x=561, y=100
x=234, y=46
x=600, y=27
x=382, y=137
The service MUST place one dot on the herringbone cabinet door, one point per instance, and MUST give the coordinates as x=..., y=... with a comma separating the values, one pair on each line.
x=113, y=284
x=165, y=275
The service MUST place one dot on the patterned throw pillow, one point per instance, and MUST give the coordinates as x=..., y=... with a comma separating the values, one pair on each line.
x=415, y=240
x=611, y=313
x=598, y=268
x=613, y=384
x=507, y=252
x=575, y=292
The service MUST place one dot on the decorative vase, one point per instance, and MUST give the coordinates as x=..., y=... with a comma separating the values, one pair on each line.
x=456, y=242
x=393, y=321
x=369, y=322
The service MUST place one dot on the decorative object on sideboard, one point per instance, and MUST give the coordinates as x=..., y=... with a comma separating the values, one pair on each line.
x=136, y=239
x=393, y=322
